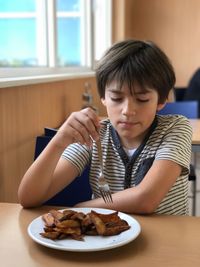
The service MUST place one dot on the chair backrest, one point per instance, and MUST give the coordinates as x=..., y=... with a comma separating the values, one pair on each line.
x=179, y=93
x=193, y=89
x=188, y=109
x=77, y=191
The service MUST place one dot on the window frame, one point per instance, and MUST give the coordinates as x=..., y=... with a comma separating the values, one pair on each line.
x=30, y=75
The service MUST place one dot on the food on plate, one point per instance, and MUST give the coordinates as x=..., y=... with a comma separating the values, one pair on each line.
x=73, y=224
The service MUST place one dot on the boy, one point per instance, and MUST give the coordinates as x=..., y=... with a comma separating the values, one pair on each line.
x=146, y=157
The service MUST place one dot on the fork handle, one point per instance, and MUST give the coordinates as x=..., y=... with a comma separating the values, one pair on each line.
x=99, y=149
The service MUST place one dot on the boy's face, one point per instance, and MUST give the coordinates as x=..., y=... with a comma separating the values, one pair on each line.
x=131, y=114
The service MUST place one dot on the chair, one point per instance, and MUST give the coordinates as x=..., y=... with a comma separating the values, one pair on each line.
x=188, y=109
x=77, y=191
x=179, y=93
x=193, y=89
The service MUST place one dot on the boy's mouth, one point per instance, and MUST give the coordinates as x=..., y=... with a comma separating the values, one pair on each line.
x=127, y=123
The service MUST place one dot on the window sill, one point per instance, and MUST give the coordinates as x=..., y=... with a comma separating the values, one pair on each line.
x=18, y=81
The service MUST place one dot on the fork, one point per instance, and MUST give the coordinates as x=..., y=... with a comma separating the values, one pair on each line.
x=102, y=184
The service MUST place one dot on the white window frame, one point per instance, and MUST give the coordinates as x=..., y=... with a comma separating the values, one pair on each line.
x=20, y=76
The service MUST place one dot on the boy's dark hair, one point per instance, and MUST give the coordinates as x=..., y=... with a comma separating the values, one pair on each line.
x=135, y=61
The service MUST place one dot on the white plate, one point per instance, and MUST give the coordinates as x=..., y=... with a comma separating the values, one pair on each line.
x=90, y=243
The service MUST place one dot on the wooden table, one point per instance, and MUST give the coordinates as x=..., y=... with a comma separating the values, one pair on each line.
x=195, y=123
x=196, y=134
x=164, y=241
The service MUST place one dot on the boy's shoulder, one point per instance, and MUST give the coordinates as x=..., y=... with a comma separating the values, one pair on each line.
x=172, y=119
x=162, y=121
x=176, y=122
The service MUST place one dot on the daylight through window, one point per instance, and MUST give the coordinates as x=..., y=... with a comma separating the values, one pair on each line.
x=52, y=35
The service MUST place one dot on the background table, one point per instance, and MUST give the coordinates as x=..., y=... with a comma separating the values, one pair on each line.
x=196, y=135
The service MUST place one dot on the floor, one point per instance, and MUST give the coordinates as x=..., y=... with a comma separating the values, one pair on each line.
x=196, y=159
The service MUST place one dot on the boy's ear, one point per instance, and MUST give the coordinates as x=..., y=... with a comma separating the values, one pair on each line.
x=161, y=106
x=103, y=101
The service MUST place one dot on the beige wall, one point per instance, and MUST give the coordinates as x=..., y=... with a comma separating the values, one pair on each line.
x=173, y=24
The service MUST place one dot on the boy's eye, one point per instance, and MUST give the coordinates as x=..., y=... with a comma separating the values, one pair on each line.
x=116, y=99
x=143, y=100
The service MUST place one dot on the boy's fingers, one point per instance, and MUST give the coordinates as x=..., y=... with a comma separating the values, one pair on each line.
x=90, y=121
x=82, y=126
x=93, y=116
x=79, y=138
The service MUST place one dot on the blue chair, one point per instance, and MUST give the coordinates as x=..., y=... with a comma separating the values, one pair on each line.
x=77, y=191
x=188, y=109
x=193, y=89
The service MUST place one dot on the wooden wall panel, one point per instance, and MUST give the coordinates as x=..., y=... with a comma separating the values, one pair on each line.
x=24, y=112
x=173, y=24
x=118, y=20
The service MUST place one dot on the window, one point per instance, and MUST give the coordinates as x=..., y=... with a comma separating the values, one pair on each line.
x=52, y=36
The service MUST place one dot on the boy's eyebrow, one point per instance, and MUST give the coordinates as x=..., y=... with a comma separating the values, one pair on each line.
x=116, y=91
x=142, y=92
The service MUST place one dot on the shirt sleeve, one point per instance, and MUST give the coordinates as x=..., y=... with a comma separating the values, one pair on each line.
x=79, y=155
x=177, y=143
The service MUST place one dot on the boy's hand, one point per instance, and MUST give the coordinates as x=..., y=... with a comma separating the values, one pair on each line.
x=81, y=127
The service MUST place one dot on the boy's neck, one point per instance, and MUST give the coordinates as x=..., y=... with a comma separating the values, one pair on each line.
x=133, y=143
x=136, y=142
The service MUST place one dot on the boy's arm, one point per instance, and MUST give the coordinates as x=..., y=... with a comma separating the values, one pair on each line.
x=49, y=173
x=41, y=180
x=145, y=197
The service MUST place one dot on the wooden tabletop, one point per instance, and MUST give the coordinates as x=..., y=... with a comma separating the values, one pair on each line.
x=163, y=241
x=196, y=131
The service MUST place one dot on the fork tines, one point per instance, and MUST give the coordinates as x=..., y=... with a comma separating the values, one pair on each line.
x=106, y=195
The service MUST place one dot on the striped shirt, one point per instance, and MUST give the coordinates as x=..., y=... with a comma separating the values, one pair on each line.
x=169, y=138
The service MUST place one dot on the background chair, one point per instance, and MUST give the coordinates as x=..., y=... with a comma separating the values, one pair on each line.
x=188, y=109
x=179, y=93
x=193, y=90
x=78, y=190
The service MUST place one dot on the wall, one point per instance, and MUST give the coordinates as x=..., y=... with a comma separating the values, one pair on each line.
x=173, y=24
x=24, y=112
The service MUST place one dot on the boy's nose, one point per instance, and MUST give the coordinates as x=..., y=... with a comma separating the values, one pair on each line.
x=129, y=108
